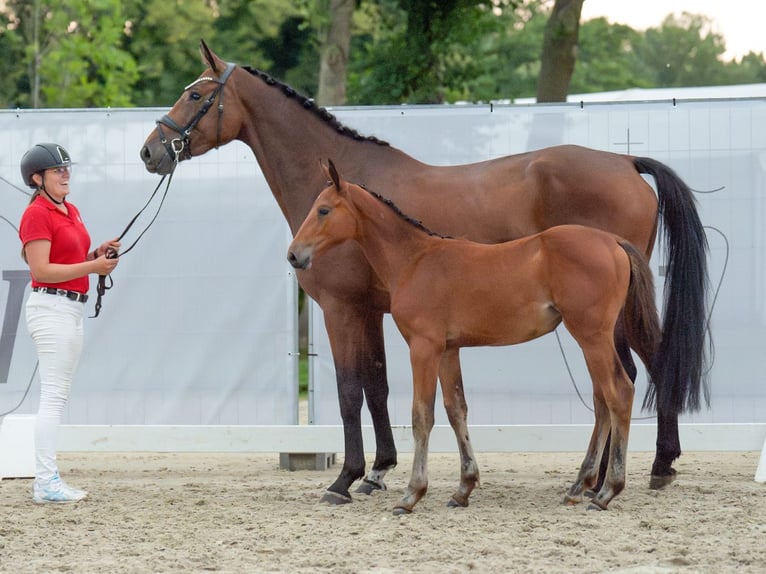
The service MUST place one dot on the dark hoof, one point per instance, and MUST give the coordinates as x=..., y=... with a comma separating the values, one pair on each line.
x=335, y=499
x=594, y=506
x=452, y=503
x=399, y=511
x=368, y=487
x=659, y=482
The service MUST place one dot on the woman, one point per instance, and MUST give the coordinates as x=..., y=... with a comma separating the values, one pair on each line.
x=56, y=247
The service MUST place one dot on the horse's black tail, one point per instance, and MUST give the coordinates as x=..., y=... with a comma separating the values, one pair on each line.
x=679, y=371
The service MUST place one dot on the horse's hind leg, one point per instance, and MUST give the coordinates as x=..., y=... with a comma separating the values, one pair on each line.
x=617, y=391
x=626, y=358
x=613, y=401
x=668, y=449
x=588, y=474
x=457, y=412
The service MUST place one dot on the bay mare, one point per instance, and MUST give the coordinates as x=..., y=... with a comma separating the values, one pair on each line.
x=488, y=202
x=452, y=293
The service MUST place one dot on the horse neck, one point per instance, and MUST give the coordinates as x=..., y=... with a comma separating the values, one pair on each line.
x=388, y=241
x=289, y=141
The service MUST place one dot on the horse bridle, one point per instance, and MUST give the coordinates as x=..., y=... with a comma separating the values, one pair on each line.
x=176, y=146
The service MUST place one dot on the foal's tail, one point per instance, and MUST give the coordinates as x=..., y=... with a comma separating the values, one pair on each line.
x=642, y=320
x=679, y=369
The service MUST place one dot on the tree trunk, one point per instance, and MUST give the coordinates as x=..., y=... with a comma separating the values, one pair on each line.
x=559, y=51
x=334, y=40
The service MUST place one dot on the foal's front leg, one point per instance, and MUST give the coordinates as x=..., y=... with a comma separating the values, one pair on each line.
x=425, y=366
x=451, y=379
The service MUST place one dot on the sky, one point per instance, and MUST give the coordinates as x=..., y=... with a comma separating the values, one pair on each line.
x=740, y=22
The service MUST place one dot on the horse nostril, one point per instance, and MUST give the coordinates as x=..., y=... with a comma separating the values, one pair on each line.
x=146, y=155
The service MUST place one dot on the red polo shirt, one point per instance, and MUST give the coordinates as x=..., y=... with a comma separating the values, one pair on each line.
x=69, y=239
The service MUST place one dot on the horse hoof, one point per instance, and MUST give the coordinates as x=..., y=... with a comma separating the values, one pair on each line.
x=335, y=499
x=369, y=486
x=657, y=482
x=570, y=500
x=595, y=506
x=452, y=503
x=401, y=511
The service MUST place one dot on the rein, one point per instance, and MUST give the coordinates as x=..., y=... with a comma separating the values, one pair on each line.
x=175, y=147
x=102, y=287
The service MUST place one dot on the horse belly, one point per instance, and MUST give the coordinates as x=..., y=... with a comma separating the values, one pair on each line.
x=506, y=324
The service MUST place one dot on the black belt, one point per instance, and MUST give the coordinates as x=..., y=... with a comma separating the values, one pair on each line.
x=73, y=295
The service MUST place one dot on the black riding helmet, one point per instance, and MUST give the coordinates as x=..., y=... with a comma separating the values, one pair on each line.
x=40, y=157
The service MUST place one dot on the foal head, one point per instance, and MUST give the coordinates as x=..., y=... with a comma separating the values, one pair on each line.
x=329, y=222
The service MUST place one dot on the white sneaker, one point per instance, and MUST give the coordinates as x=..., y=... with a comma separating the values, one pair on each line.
x=56, y=491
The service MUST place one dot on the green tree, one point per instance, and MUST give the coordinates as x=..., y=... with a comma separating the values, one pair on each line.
x=607, y=59
x=420, y=51
x=73, y=53
x=167, y=54
x=683, y=51
x=559, y=51
x=15, y=87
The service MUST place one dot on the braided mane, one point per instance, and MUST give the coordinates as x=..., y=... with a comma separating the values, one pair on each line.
x=395, y=208
x=309, y=104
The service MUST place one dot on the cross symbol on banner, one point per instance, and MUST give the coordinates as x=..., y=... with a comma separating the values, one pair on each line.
x=627, y=143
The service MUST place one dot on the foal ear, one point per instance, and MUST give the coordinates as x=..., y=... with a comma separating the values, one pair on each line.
x=208, y=57
x=334, y=175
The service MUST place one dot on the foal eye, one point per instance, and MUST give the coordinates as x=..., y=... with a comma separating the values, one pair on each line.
x=322, y=211
x=195, y=96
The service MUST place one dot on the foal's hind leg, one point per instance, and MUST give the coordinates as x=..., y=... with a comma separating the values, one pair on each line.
x=626, y=358
x=613, y=401
x=457, y=412
x=588, y=474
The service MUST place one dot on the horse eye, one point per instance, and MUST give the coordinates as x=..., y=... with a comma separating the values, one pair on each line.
x=195, y=96
x=322, y=211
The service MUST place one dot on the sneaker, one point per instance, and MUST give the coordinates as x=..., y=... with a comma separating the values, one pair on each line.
x=56, y=491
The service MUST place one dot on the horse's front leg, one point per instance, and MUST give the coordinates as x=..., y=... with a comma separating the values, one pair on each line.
x=425, y=368
x=356, y=339
x=451, y=379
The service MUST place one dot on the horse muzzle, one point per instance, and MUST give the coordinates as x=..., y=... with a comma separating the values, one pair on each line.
x=300, y=259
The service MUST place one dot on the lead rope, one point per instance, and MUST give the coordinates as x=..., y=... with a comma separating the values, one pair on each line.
x=111, y=253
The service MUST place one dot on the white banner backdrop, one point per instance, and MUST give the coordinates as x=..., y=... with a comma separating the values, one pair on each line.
x=717, y=147
x=200, y=327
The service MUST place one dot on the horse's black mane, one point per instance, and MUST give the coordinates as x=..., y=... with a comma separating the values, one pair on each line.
x=395, y=208
x=309, y=104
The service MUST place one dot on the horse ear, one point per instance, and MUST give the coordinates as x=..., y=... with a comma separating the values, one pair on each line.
x=334, y=175
x=208, y=57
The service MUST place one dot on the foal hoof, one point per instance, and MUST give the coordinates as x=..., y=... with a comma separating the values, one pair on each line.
x=370, y=486
x=570, y=500
x=401, y=511
x=657, y=482
x=335, y=499
x=594, y=506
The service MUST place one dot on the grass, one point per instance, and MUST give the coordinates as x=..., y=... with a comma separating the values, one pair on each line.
x=303, y=377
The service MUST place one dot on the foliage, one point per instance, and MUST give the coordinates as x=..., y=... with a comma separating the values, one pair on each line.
x=607, y=59
x=72, y=53
x=83, y=53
